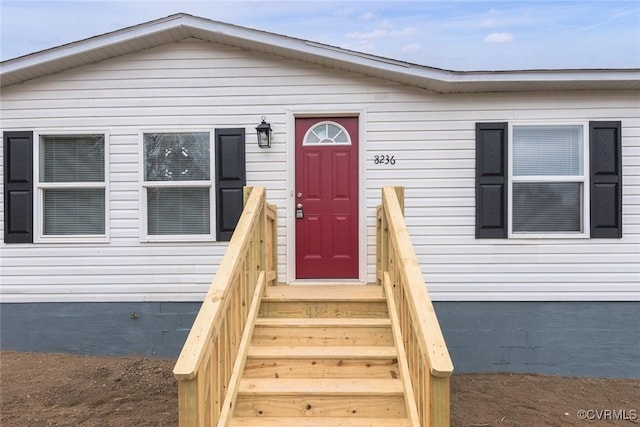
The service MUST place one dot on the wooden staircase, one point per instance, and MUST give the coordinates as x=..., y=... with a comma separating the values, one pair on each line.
x=263, y=354
x=322, y=356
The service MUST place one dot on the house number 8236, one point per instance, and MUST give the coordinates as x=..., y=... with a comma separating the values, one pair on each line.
x=384, y=159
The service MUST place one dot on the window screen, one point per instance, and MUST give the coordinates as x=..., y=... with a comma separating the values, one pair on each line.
x=177, y=173
x=547, y=150
x=548, y=179
x=178, y=210
x=72, y=184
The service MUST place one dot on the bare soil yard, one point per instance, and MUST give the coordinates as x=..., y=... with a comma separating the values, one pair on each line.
x=38, y=389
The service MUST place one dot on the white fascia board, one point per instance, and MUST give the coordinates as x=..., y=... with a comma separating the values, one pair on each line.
x=408, y=73
x=546, y=75
x=88, y=45
x=215, y=31
x=435, y=78
x=337, y=54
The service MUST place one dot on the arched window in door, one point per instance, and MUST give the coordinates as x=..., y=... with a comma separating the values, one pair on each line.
x=327, y=133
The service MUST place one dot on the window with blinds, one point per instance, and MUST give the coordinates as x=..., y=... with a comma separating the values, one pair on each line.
x=548, y=179
x=177, y=185
x=71, y=185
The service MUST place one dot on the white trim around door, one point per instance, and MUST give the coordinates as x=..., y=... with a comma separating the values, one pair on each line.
x=291, y=115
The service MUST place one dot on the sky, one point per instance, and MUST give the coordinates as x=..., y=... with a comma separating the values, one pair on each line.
x=455, y=34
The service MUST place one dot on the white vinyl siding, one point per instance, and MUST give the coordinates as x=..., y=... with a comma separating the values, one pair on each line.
x=196, y=85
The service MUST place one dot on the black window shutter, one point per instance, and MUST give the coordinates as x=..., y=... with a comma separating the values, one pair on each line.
x=230, y=180
x=491, y=180
x=605, y=148
x=18, y=187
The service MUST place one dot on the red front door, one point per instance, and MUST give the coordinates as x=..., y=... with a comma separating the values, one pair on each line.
x=326, y=198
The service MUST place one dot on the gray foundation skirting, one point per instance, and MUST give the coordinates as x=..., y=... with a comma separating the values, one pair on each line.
x=590, y=339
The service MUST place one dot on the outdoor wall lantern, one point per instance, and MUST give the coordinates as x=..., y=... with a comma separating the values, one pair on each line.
x=264, y=134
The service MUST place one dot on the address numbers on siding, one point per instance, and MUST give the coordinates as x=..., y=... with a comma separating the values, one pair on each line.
x=384, y=159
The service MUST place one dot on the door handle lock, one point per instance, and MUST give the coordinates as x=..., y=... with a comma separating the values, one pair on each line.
x=299, y=212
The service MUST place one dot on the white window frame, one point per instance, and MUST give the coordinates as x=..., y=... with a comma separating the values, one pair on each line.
x=584, y=180
x=39, y=187
x=144, y=185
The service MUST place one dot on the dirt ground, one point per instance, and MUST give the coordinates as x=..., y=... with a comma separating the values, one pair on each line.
x=39, y=389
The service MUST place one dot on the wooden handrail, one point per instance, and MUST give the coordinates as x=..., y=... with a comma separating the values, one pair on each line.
x=205, y=365
x=398, y=270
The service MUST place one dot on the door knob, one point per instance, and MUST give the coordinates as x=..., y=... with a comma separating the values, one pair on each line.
x=299, y=212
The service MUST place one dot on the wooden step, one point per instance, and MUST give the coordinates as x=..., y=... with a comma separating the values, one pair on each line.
x=301, y=397
x=325, y=293
x=323, y=322
x=322, y=331
x=318, y=422
x=320, y=386
x=322, y=362
x=324, y=301
x=311, y=352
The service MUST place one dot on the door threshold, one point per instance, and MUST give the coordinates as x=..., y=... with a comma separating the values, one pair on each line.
x=328, y=282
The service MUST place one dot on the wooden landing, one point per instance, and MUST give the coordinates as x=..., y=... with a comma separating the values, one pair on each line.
x=321, y=356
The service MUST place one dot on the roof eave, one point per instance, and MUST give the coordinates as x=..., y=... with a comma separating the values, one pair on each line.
x=177, y=27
